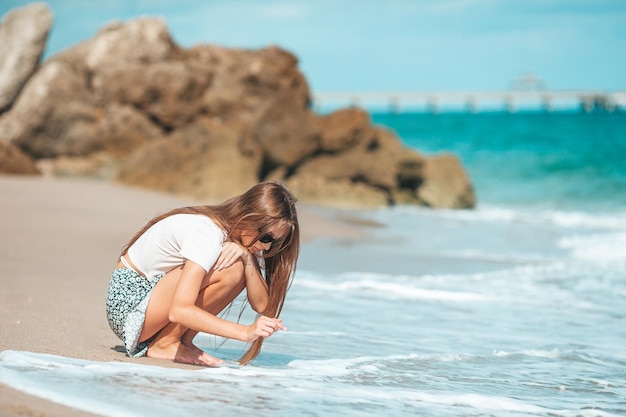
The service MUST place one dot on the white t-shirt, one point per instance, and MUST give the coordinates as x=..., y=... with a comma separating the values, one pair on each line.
x=175, y=239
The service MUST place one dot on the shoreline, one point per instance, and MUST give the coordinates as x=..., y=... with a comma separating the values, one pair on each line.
x=61, y=240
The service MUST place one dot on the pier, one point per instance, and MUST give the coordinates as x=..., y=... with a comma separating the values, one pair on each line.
x=474, y=101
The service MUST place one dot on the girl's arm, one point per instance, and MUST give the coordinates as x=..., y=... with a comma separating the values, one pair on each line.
x=256, y=287
x=185, y=312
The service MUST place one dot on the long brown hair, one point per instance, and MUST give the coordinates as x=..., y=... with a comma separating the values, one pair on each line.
x=260, y=208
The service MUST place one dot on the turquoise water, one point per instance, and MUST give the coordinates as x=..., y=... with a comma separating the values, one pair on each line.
x=515, y=308
x=566, y=160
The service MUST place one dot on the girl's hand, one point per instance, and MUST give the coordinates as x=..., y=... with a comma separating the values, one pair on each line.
x=231, y=252
x=264, y=327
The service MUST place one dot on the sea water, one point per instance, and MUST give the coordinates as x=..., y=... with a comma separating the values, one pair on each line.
x=515, y=308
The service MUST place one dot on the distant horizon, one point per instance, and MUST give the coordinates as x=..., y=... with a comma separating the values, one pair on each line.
x=429, y=45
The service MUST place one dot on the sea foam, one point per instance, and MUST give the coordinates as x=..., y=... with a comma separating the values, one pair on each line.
x=390, y=290
x=603, y=248
x=491, y=213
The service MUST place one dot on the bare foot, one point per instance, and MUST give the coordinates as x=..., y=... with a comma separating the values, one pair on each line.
x=187, y=342
x=178, y=352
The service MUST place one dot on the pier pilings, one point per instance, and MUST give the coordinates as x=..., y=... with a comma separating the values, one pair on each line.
x=475, y=101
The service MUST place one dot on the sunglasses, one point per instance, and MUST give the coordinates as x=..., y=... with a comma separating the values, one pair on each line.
x=267, y=238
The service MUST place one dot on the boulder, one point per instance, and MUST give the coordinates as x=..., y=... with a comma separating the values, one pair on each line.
x=54, y=115
x=100, y=165
x=201, y=160
x=142, y=40
x=286, y=133
x=378, y=160
x=343, y=129
x=23, y=35
x=312, y=188
x=168, y=92
x=122, y=129
x=264, y=91
x=370, y=156
x=247, y=83
x=14, y=161
x=446, y=185
x=64, y=109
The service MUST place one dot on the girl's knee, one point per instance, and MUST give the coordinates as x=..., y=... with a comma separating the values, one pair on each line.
x=232, y=276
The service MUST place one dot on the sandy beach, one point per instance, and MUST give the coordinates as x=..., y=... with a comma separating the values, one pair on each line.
x=60, y=241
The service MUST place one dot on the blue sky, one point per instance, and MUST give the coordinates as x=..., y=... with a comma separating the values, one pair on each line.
x=376, y=45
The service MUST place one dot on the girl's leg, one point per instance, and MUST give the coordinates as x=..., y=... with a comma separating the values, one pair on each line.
x=214, y=305
x=218, y=289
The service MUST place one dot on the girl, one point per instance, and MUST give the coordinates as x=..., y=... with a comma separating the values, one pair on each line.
x=185, y=266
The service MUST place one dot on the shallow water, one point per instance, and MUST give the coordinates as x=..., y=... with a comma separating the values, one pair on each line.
x=513, y=309
x=490, y=312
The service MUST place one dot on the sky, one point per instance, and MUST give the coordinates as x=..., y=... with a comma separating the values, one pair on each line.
x=391, y=45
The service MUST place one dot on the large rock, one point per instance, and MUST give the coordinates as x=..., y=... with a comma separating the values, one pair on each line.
x=245, y=84
x=264, y=91
x=49, y=92
x=343, y=129
x=317, y=189
x=66, y=107
x=142, y=40
x=372, y=158
x=446, y=185
x=286, y=132
x=201, y=160
x=14, y=161
x=122, y=129
x=168, y=92
x=209, y=122
x=23, y=35
x=54, y=115
x=58, y=115
x=374, y=161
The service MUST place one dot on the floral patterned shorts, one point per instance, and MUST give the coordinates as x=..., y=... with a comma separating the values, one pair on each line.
x=126, y=303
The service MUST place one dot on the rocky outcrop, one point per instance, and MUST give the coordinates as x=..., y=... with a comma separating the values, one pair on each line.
x=209, y=122
x=23, y=35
